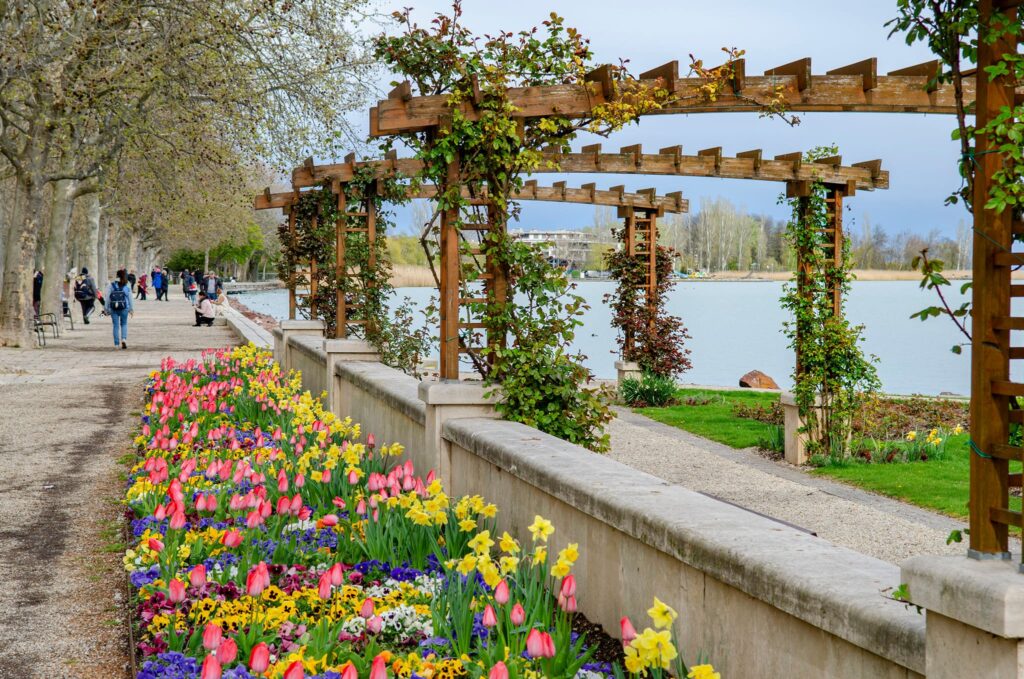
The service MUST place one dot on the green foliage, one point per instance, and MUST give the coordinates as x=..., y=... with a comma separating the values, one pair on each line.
x=185, y=259
x=713, y=414
x=402, y=342
x=650, y=390
x=648, y=335
x=832, y=371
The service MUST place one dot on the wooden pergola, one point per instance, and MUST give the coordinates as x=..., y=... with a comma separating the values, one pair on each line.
x=851, y=88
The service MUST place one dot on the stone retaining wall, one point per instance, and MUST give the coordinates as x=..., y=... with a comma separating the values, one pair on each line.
x=757, y=597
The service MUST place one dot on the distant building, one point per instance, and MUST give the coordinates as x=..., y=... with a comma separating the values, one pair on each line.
x=565, y=248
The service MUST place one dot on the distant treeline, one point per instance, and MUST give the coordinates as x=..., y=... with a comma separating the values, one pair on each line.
x=721, y=237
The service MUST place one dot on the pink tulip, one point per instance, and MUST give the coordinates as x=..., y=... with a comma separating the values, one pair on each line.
x=211, y=503
x=518, y=615
x=197, y=576
x=231, y=539
x=300, y=480
x=253, y=519
x=259, y=658
x=160, y=513
x=177, y=521
x=366, y=610
x=338, y=502
x=361, y=508
x=353, y=477
x=212, y=636
x=295, y=671
x=254, y=584
x=568, y=604
x=326, y=478
x=374, y=624
x=501, y=593
x=282, y=482
x=539, y=644
x=330, y=520
x=324, y=588
x=499, y=671
x=337, y=574
x=227, y=651
x=201, y=503
x=211, y=668
x=569, y=586
x=490, y=619
x=628, y=631
x=370, y=440
x=296, y=503
x=379, y=668
x=350, y=672
x=156, y=545
x=176, y=591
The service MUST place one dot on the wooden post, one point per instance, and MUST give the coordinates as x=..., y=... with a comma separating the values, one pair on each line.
x=292, y=306
x=990, y=346
x=804, y=274
x=496, y=285
x=834, y=202
x=314, y=283
x=340, y=315
x=629, y=234
x=652, y=268
x=371, y=242
x=450, y=266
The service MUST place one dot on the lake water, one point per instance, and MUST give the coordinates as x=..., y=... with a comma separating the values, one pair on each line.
x=737, y=327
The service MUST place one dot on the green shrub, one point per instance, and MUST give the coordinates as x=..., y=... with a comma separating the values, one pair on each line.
x=648, y=391
x=774, y=438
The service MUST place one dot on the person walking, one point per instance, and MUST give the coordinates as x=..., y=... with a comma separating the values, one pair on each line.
x=119, y=306
x=85, y=293
x=156, y=279
x=37, y=290
x=132, y=278
x=189, y=285
x=141, y=295
x=166, y=283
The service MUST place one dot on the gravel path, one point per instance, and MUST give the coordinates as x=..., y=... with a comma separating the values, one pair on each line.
x=869, y=523
x=68, y=413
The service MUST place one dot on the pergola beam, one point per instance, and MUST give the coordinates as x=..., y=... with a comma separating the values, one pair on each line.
x=868, y=175
x=559, y=193
x=854, y=88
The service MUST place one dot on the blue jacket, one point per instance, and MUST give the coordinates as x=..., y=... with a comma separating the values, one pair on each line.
x=157, y=278
x=127, y=292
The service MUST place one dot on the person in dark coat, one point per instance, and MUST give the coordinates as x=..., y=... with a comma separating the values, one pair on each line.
x=85, y=293
x=37, y=290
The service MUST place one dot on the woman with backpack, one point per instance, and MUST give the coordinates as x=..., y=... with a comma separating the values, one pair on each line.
x=119, y=306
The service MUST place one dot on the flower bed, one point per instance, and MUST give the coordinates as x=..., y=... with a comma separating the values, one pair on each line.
x=271, y=541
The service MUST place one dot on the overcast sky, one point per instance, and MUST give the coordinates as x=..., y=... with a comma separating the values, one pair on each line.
x=915, y=148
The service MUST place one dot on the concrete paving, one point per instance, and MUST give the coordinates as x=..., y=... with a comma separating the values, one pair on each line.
x=871, y=524
x=68, y=412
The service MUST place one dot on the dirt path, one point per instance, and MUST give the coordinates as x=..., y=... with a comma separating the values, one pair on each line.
x=68, y=412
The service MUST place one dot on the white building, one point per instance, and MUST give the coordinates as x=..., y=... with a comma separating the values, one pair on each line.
x=565, y=247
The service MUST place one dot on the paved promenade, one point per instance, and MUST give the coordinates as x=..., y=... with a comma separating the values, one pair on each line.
x=67, y=412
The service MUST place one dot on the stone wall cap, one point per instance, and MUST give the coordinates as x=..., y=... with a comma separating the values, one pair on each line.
x=787, y=398
x=452, y=392
x=628, y=366
x=348, y=346
x=986, y=594
x=301, y=324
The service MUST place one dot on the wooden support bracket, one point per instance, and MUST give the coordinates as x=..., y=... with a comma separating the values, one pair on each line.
x=796, y=158
x=929, y=69
x=739, y=75
x=834, y=161
x=873, y=166
x=560, y=186
x=715, y=153
x=798, y=189
x=620, y=189
x=867, y=70
x=801, y=68
x=676, y=152
x=677, y=197
x=402, y=92
x=594, y=149
x=592, y=188
x=602, y=75
x=669, y=73
x=755, y=155
x=637, y=151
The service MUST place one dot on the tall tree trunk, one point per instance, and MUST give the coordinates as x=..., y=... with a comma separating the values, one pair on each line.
x=16, y=301
x=90, y=249
x=101, y=245
x=206, y=260
x=62, y=202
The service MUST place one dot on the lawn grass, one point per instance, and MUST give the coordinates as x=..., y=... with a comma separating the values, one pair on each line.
x=716, y=420
x=938, y=484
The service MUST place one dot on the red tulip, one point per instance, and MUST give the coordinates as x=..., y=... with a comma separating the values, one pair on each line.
x=259, y=658
x=379, y=668
x=501, y=593
x=489, y=619
x=227, y=651
x=176, y=590
x=499, y=671
x=156, y=545
x=212, y=636
x=338, y=502
x=569, y=586
x=628, y=631
x=366, y=610
x=231, y=539
x=211, y=668
x=518, y=615
x=295, y=671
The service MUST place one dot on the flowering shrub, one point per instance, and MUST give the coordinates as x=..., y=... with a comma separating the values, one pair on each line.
x=270, y=541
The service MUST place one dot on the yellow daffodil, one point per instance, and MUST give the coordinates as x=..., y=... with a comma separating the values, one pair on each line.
x=662, y=614
x=541, y=528
x=703, y=672
x=508, y=544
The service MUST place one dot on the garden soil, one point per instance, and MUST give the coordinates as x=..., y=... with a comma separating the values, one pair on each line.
x=67, y=414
